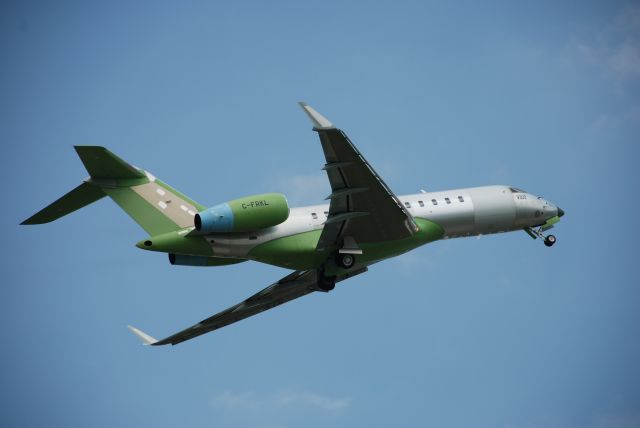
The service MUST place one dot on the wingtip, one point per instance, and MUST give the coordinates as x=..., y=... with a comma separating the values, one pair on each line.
x=31, y=221
x=146, y=339
x=318, y=120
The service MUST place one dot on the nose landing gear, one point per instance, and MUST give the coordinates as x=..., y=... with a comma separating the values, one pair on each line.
x=548, y=240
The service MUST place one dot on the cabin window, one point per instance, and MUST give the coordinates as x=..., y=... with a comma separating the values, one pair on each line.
x=447, y=200
x=326, y=213
x=515, y=190
x=434, y=202
x=421, y=203
x=314, y=215
x=460, y=198
x=407, y=204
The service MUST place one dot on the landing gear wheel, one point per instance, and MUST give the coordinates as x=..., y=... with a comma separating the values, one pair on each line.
x=549, y=240
x=326, y=283
x=345, y=261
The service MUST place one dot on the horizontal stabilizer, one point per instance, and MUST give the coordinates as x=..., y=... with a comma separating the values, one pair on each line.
x=102, y=164
x=146, y=339
x=154, y=205
x=79, y=197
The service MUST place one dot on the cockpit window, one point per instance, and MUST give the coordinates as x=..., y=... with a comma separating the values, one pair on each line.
x=516, y=190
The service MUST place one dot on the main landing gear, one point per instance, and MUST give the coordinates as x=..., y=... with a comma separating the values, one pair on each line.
x=548, y=240
x=345, y=260
x=326, y=283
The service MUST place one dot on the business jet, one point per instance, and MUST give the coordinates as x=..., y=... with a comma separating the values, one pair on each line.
x=362, y=223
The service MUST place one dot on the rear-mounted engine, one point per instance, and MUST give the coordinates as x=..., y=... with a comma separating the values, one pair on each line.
x=246, y=214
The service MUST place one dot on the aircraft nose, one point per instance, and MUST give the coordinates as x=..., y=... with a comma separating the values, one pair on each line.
x=560, y=212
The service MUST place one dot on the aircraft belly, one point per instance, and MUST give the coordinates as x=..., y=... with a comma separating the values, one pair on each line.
x=298, y=251
x=241, y=244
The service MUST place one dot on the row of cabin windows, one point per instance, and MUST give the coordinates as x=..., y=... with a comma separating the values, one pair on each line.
x=406, y=204
x=315, y=216
x=433, y=201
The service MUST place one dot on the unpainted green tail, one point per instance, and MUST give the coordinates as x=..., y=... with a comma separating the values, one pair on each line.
x=154, y=205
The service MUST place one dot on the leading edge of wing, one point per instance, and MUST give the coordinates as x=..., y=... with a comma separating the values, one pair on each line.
x=362, y=205
x=292, y=286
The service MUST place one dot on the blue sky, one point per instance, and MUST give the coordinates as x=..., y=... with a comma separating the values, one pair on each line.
x=492, y=332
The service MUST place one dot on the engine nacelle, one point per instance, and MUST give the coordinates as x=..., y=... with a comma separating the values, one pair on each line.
x=187, y=260
x=246, y=214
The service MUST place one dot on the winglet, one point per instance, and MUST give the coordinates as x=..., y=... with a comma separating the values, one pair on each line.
x=319, y=121
x=146, y=339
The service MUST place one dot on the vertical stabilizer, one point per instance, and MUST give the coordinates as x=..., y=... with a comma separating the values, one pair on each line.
x=154, y=205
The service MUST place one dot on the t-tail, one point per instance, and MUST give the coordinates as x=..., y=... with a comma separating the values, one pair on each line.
x=163, y=212
x=154, y=205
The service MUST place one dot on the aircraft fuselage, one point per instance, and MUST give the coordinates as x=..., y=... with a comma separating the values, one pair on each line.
x=440, y=215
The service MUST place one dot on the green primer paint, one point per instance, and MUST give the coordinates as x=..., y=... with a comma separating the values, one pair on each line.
x=551, y=221
x=103, y=164
x=299, y=251
x=292, y=252
x=258, y=211
x=377, y=251
x=77, y=198
x=177, y=242
x=428, y=232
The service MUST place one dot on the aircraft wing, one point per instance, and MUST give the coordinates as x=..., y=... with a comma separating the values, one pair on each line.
x=297, y=284
x=362, y=208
